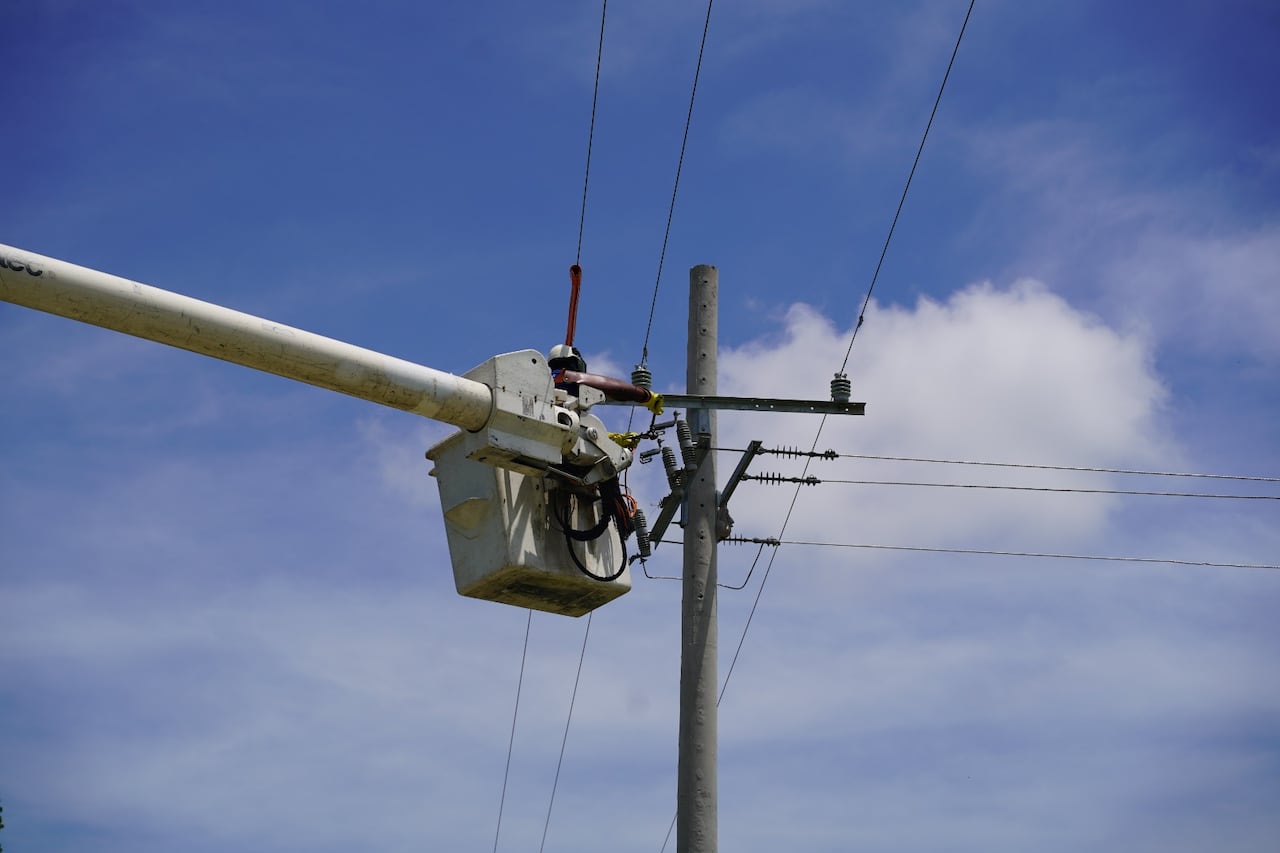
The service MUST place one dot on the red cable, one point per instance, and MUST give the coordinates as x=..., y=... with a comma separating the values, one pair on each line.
x=575, y=276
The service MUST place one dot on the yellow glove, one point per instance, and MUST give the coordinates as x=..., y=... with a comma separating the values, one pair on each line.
x=654, y=403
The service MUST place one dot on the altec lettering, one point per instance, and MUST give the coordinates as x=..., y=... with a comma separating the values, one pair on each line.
x=19, y=266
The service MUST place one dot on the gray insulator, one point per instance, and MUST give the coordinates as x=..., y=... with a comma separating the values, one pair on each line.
x=642, y=378
x=642, y=533
x=673, y=471
x=687, y=450
x=841, y=388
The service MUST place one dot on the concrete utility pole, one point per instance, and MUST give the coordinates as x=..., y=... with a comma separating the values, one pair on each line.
x=696, y=817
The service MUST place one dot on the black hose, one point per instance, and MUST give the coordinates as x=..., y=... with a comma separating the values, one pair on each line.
x=595, y=532
x=588, y=535
x=622, y=567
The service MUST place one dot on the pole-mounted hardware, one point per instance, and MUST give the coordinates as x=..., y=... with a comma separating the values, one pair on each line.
x=740, y=473
x=753, y=404
x=754, y=540
x=698, y=448
x=724, y=521
x=779, y=479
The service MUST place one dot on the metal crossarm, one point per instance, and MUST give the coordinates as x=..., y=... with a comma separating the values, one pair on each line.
x=753, y=404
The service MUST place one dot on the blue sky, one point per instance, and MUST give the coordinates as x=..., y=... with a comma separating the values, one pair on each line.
x=226, y=611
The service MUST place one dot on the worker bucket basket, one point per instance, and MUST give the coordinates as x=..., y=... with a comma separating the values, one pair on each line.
x=507, y=539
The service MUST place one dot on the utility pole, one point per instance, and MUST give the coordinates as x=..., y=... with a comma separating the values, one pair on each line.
x=696, y=813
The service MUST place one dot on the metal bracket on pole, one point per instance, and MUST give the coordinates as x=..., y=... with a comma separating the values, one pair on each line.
x=669, y=506
x=724, y=521
x=753, y=450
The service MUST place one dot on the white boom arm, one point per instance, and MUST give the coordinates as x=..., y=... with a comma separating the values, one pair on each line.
x=502, y=541
x=89, y=296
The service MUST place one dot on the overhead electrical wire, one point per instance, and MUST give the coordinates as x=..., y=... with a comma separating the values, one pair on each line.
x=586, y=633
x=755, y=603
x=662, y=255
x=995, y=553
x=902, y=201
x=684, y=142
x=591, y=132
x=648, y=330
x=814, y=481
x=818, y=434
x=573, y=697
x=791, y=508
x=750, y=572
x=724, y=685
x=511, y=742
x=1247, y=478
x=831, y=454
x=1166, y=561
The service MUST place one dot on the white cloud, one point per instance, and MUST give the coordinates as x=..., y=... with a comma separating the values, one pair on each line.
x=1013, y=375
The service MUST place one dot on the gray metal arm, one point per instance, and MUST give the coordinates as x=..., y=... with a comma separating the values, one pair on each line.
x=752, y=404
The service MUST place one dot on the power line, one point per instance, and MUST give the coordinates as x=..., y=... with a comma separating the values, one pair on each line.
x=813, y=481
x=831, y=454
x=763, y=580
x=791, y=508
x=591, y=131
x=1170, y=561
x=511, y=742
x=586, y=634
x=742, y=638
x=901, y=201
x=992, y=553
x=750, y=572
x=706, y=25
x=669, y=829
x=573, y=697
x=818, y=435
